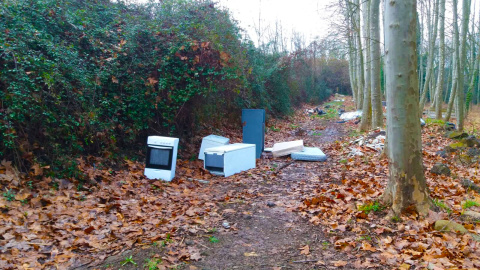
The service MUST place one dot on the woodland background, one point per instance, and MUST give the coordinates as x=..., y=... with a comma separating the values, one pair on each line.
x=96, y=77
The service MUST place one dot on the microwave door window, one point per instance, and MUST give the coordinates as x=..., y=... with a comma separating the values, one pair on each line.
x=159, y=158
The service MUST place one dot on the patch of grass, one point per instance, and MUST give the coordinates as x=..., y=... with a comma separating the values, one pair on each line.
x=152, y=264
x=317, y=134
x=212, y=230
x=429, y=121
x=440, y=204
x=395, y=219
x=9, y=195
x=293, y=126
x=273, y=128
x=343, y=161
x=213, y=239
x=333, y=104
x=354, y=133
x=468, y=203
x=167, y=240
x=365, y=237
x=331, y=113
x=371, y=207
x=325, y=244
x=55, y=185
x=128, y=260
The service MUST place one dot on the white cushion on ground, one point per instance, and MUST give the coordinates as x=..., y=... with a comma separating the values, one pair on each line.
x=347, y=116
x=286, y=148
x=310, y=154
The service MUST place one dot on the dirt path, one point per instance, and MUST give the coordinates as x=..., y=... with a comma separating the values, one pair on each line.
x=267, y=233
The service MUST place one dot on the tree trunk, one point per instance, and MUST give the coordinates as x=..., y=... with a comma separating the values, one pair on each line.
x=472, y=85
x=453, y=91
x=441, y=67
x=406, y=186
x=461, y=62
x=360, y=62
x=431, y=55
x=351, y=54
x=377, y=112
x=367, y=102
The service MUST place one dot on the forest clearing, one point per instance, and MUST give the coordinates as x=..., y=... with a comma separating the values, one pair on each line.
x=283, y=214
x=165, y=135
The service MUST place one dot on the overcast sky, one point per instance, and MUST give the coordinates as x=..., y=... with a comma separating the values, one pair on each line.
x=309, y=17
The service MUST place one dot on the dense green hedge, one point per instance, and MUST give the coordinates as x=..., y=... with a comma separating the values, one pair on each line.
x=92, y=77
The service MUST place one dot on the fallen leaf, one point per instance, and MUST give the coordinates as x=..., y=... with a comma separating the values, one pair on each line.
x=339, y=263
x=305, y=250
x=367, y=246
x=22, y=196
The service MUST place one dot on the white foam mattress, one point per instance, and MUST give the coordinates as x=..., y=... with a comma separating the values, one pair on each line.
x=310, y=154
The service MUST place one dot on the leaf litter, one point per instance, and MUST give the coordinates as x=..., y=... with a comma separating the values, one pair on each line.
x=52, y=223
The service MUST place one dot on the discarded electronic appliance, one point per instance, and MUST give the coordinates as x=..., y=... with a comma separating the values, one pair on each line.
x=230, y=159
x=286, y=148
x=211, y=141
x=253, y=121
x=310, y=154
x=161, y=157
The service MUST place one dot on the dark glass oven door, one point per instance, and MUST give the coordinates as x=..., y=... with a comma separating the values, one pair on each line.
x=159, y=157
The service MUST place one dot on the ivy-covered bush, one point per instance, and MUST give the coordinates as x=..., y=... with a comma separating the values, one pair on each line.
x=93, y=77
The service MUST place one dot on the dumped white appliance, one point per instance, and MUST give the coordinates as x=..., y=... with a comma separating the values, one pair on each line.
x=161, y=157
x=230, y=159
x=286, y=148
x=310, y=154
x=347, y=116
x=211, y=141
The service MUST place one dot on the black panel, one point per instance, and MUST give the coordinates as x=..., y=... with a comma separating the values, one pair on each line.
x=159, y=158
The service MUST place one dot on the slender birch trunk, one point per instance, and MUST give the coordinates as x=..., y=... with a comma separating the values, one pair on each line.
x=453, y=91
x=407, y=185
x=461, y=62
x=431, y=55
x=441, y=66
x=377, y=112
x=472, y=84
x=351, y=54
x=367, y=102
x=360, y=64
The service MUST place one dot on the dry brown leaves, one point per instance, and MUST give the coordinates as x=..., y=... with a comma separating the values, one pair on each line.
x=411, y=242
x=44, y=227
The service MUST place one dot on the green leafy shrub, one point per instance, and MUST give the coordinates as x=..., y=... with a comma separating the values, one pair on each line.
x=98, y=78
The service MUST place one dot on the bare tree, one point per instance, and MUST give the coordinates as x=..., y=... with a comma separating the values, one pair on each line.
x=377, y=112
x=367, y=101
x=360, y=62
x=441, y=67
x=461, y=55
x=432, y=32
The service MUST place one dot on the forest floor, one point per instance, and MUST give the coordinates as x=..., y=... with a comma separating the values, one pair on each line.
x=283, y=214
